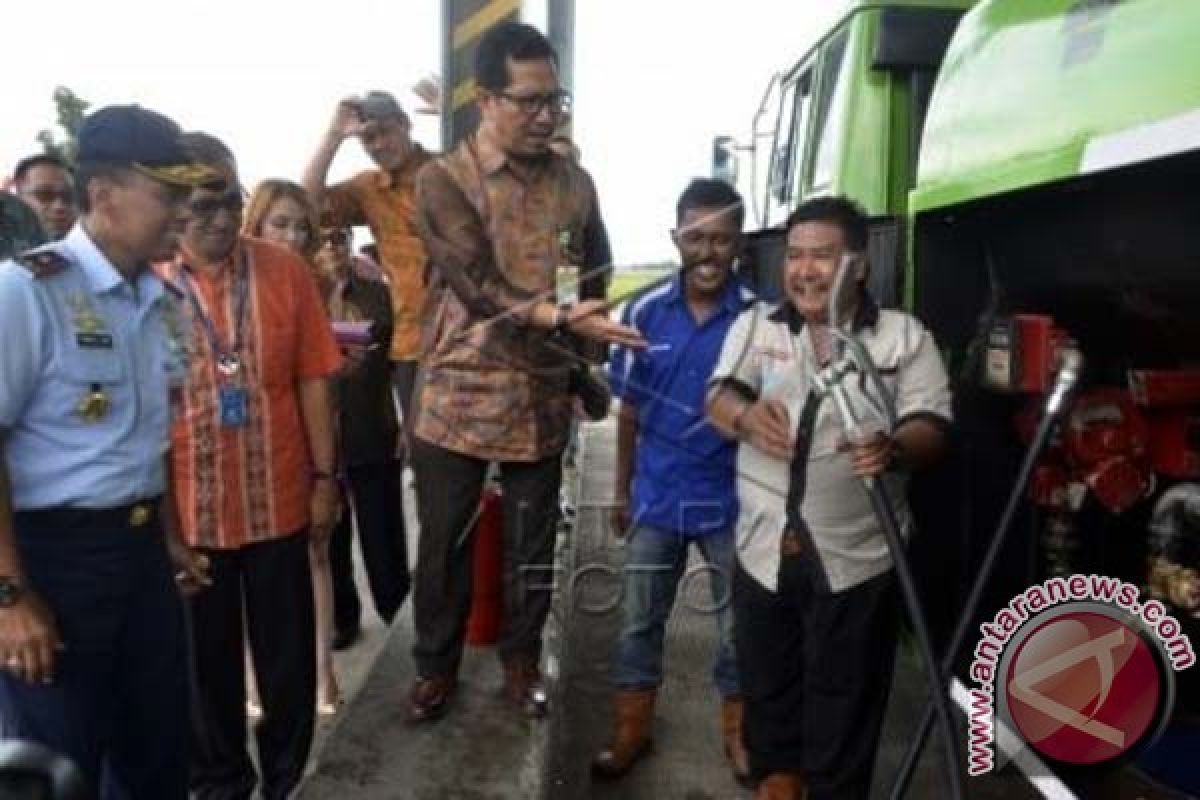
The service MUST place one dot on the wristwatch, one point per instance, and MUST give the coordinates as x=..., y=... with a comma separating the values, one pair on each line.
x=10, y=591
x=562, y=313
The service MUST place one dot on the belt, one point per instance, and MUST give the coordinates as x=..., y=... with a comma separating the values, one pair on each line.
x=138, y=514
x=792, y=544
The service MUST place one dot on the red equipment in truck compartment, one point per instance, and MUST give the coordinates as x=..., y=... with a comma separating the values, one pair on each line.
x=1022, y=353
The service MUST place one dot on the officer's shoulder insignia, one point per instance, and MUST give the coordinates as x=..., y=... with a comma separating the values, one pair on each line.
x=43, y=263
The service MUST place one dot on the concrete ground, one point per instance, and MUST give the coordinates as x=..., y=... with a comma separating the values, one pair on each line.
x=354, y=664
x=481, y=749
x=687, y=762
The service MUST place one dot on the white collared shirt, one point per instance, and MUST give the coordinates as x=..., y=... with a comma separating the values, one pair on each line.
x=768, y=357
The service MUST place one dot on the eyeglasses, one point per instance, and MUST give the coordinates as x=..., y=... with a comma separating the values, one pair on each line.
x=208, y=206
x=46, y=196
x=558, y=102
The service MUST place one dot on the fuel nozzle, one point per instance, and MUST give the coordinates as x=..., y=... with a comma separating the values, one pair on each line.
x=1070, y=370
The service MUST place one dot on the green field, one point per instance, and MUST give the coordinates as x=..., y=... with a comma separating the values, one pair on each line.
x=629, y=280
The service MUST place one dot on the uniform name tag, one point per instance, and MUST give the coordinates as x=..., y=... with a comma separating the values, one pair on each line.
x=94, y=340
x=234, y=406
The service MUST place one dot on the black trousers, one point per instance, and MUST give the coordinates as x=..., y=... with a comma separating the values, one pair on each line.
x=816, y=670
x=404, y=378
x=269, y=586
x=117, y=707
x=378, y=511
x=449, y=486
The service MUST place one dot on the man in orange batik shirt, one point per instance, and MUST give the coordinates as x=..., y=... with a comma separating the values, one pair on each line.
x=253, y=458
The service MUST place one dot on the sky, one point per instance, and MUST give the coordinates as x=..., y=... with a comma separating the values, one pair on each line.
x=655, y=81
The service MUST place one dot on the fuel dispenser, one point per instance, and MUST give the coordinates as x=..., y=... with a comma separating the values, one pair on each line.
x=1117, y=445
x=1121, y=446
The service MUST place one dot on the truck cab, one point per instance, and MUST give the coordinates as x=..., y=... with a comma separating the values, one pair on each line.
x=1031, y=168
x=845, y=118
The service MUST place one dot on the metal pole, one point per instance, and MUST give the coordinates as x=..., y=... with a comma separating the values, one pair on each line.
x=560, y=29
x=448, y=75
x=464, y=23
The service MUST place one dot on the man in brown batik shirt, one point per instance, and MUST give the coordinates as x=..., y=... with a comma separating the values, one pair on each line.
x=498, y=215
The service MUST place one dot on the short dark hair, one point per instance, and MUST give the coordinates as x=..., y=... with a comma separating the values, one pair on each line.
x=709, y=193
x=86, y=172
x=513, y=40
x=25, y=165
x=841, y=211
x=208, y=149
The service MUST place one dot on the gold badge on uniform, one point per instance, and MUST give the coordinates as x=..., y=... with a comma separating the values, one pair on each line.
x=139, y=515
x=94, y=405
x=86, y=320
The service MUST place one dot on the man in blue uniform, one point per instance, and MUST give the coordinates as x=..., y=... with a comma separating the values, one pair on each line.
x=674, y=472
x=92, y=659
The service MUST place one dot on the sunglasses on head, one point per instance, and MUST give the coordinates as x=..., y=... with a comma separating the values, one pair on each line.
x=207, y=206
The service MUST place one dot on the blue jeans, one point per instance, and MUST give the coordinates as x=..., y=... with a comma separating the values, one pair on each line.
x=655, y=564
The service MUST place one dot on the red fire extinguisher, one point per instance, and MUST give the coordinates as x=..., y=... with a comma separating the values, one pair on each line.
x=487, y=570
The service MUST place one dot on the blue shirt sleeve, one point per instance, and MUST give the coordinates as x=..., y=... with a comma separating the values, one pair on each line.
x=23, y=348
x=623, y=365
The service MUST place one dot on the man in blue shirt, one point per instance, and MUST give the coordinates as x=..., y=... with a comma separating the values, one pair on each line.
x=675, y=474
x=92, y=654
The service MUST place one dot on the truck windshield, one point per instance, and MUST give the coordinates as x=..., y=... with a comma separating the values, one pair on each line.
x=790, y=135
x=829, y=122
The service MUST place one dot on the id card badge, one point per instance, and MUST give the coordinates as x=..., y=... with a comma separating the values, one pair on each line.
x=234, y=406
x=566, y=285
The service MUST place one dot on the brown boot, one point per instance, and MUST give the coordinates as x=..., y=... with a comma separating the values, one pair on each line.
x=781, y=786
x=631, y=739
x=731, y=734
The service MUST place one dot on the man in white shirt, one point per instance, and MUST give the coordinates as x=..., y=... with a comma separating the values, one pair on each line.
x=814, y=594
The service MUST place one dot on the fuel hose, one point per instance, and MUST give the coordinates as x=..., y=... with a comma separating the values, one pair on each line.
x=830, y=382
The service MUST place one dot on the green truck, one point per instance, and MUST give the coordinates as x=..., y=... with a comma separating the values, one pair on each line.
x=846, y=118
x=1033, y=171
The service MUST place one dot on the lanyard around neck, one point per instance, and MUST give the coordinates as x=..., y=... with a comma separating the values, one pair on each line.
x=242, y=292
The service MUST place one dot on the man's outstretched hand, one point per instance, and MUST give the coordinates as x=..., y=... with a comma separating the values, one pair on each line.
x=590, y=320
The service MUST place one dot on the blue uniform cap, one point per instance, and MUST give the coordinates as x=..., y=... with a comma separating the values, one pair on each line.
x=136, y=137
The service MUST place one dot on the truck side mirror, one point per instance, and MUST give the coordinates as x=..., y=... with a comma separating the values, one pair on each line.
x=724, y=160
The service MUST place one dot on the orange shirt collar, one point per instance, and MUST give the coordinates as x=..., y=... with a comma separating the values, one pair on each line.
x=386, y=179
x=186, y=260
